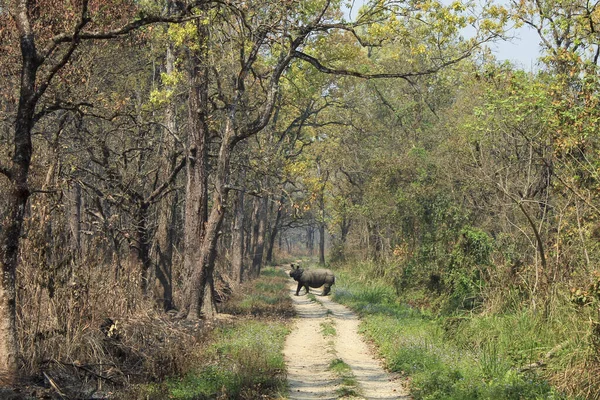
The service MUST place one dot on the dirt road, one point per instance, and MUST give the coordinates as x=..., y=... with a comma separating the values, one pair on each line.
x=328, y=359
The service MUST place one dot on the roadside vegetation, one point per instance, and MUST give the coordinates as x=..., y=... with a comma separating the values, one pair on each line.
x=241, y=357
x=517, y=354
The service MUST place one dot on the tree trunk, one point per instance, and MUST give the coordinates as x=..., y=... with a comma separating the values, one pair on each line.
x=168, y=213
x=200, y=299
x=310, y=239
x=164, y=266
x=322, y=228
x=196, y=190
x=237, y=245
x=75, y=220
x=344, y=229
x=274, y=231
x=11, y=222
x=261, y=229
x=254, y=229
x=139, y=248
x=322, y=243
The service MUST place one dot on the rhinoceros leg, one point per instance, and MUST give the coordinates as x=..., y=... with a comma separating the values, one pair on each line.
x=326, y=289
x=298, y=289
x=307, y=290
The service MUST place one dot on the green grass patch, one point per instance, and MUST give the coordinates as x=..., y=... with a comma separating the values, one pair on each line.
x=462, y=358
x=328, y=328
x=339, y=367
x=346, y=391
x=349, y=384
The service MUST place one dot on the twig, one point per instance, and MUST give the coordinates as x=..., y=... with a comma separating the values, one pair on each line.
x=55, y=386
x=87, y=369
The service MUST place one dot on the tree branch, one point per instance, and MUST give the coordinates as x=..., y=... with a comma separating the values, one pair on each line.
x=159, y=190
x=6, y=172
x=75, y=39
x=406, y=75
x=122, y=31
x=58, y=105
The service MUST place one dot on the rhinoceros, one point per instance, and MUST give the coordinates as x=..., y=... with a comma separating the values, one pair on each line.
x=313, y=278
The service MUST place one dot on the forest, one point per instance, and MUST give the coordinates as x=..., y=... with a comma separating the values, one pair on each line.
x=157, y=155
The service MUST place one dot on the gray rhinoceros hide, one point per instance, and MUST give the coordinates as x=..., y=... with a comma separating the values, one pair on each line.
x=313, y=278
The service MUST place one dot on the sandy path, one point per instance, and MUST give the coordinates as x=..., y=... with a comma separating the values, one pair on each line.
x=308, y=354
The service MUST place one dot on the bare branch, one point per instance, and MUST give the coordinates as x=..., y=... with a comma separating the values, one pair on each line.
x=59, y=106
x=75, y=39
x=159, y=190
x=112, y=34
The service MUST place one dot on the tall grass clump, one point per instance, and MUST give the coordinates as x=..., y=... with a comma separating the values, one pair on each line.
x=458, y=357
x=267, y=296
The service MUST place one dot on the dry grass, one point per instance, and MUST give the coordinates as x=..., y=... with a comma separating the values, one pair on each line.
x=90, y=331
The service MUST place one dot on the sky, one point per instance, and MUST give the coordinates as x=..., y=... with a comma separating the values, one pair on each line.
x=523, y=50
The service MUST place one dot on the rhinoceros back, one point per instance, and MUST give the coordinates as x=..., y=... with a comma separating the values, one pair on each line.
x=318, y=277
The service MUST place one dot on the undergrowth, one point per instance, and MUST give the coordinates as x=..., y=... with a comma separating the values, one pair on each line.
x=462, y=357
x=238, y=359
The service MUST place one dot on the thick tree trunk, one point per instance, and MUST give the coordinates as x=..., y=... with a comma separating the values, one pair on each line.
x=168, y=214
x=164, y=266
x=140, y=247
x=322, y=243
x=196, y=190
x=10, y=231
x=199, y=298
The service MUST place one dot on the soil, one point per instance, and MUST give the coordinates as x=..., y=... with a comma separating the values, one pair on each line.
x=310, y=350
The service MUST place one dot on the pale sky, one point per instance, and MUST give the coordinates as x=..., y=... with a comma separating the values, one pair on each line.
x=523, y=50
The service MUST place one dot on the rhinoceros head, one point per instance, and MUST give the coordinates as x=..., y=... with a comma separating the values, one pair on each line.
x=296, y=272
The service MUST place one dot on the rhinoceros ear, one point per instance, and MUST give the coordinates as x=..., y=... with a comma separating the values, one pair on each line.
x=292, y=266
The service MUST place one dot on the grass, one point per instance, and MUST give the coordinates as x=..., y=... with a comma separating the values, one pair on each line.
x=245, y=361
x=471, y=357
x=328, y=328
x=240, y=359
x=267, y=296
x=349, y=384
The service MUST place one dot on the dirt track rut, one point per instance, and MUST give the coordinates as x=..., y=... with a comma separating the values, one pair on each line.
x=309, y=353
